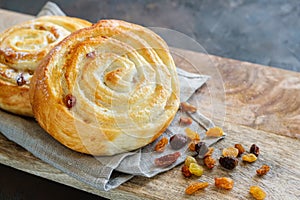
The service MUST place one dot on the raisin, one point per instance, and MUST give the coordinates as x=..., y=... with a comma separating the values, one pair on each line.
x=240, y=148
x=201, y=149
x=224, y=183
x=263, y=170
x=209, y=162
x=184, y=106
x=209, y=152
x=189, y=160
x=214, y=132
x=185, y=171
x=161, y=145
x=228, y=162
x=192, y=134
x=186, y=120
x=230, y=151
x=192, y=145
x=257, y=193
x=91, y=54
x=196, y=169
x=254, y=149
x=166, y=160
x=21, y=80
x=177, y=141
x=191, y=189
x=70, y=101
x=249, y=158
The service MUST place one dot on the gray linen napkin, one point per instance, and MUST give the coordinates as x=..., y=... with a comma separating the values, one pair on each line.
x=109, y=172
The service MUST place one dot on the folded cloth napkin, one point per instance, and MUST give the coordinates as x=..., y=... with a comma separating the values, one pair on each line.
x=109, y=172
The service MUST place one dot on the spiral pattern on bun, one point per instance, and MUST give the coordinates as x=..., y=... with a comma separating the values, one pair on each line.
x=106, y=89
x=21, y=49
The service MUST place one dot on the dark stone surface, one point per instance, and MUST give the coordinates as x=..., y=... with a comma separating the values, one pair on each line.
x=18, y=185
x=258, y=31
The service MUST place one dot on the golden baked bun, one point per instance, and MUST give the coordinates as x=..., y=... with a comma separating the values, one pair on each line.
x=21, y=49
x=106, y=89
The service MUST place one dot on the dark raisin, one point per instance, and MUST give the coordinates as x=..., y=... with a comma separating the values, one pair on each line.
x=166, y=160
x=177, y=141
x=70, y=101
x=21, y=80
x=228, y=162
x=91, y=54
x=254, y=149
x=185, y=171
x=201, y=149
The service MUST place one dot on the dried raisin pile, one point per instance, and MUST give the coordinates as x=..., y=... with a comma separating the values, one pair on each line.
x=191, y=189
x=228, y=162
x=257, y=192
x=224, y=183
x=178, y=141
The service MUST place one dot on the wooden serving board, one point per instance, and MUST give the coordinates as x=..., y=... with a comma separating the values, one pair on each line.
x=253, y=103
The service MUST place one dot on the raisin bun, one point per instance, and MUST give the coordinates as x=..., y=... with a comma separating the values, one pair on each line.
x=21, y=49
x=106, y=89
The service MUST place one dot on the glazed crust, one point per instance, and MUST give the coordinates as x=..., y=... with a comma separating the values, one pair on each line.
x=22, y=47
x=106, y=89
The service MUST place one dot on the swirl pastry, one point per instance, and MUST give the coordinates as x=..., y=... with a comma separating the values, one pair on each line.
x=21, y=49
x=106, y=89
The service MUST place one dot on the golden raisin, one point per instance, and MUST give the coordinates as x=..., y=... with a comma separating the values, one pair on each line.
x=161, y=145
x=196, y=169
x=185, y=171
x=184, y=106
x=230, y=151
x=194, y=136
x=214, y=132
x=249, y=157
x=191, y=189
x=186, y=120
x=263, y=170
x=189, y=160
x=209, y=162
x=257, y=193
x=224, y=183
x=210, y=151
x=240, y=148
x=192, y=145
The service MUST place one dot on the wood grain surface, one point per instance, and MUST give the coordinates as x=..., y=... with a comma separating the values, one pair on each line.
x=253, y=104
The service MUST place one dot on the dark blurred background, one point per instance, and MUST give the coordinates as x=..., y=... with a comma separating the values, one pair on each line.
x=259, y=31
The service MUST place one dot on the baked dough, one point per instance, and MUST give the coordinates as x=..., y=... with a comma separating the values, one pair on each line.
x=21, y=49
x=106, y=89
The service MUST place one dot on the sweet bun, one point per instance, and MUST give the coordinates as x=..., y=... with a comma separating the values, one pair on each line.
x=21, y=49
x=106, y=89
